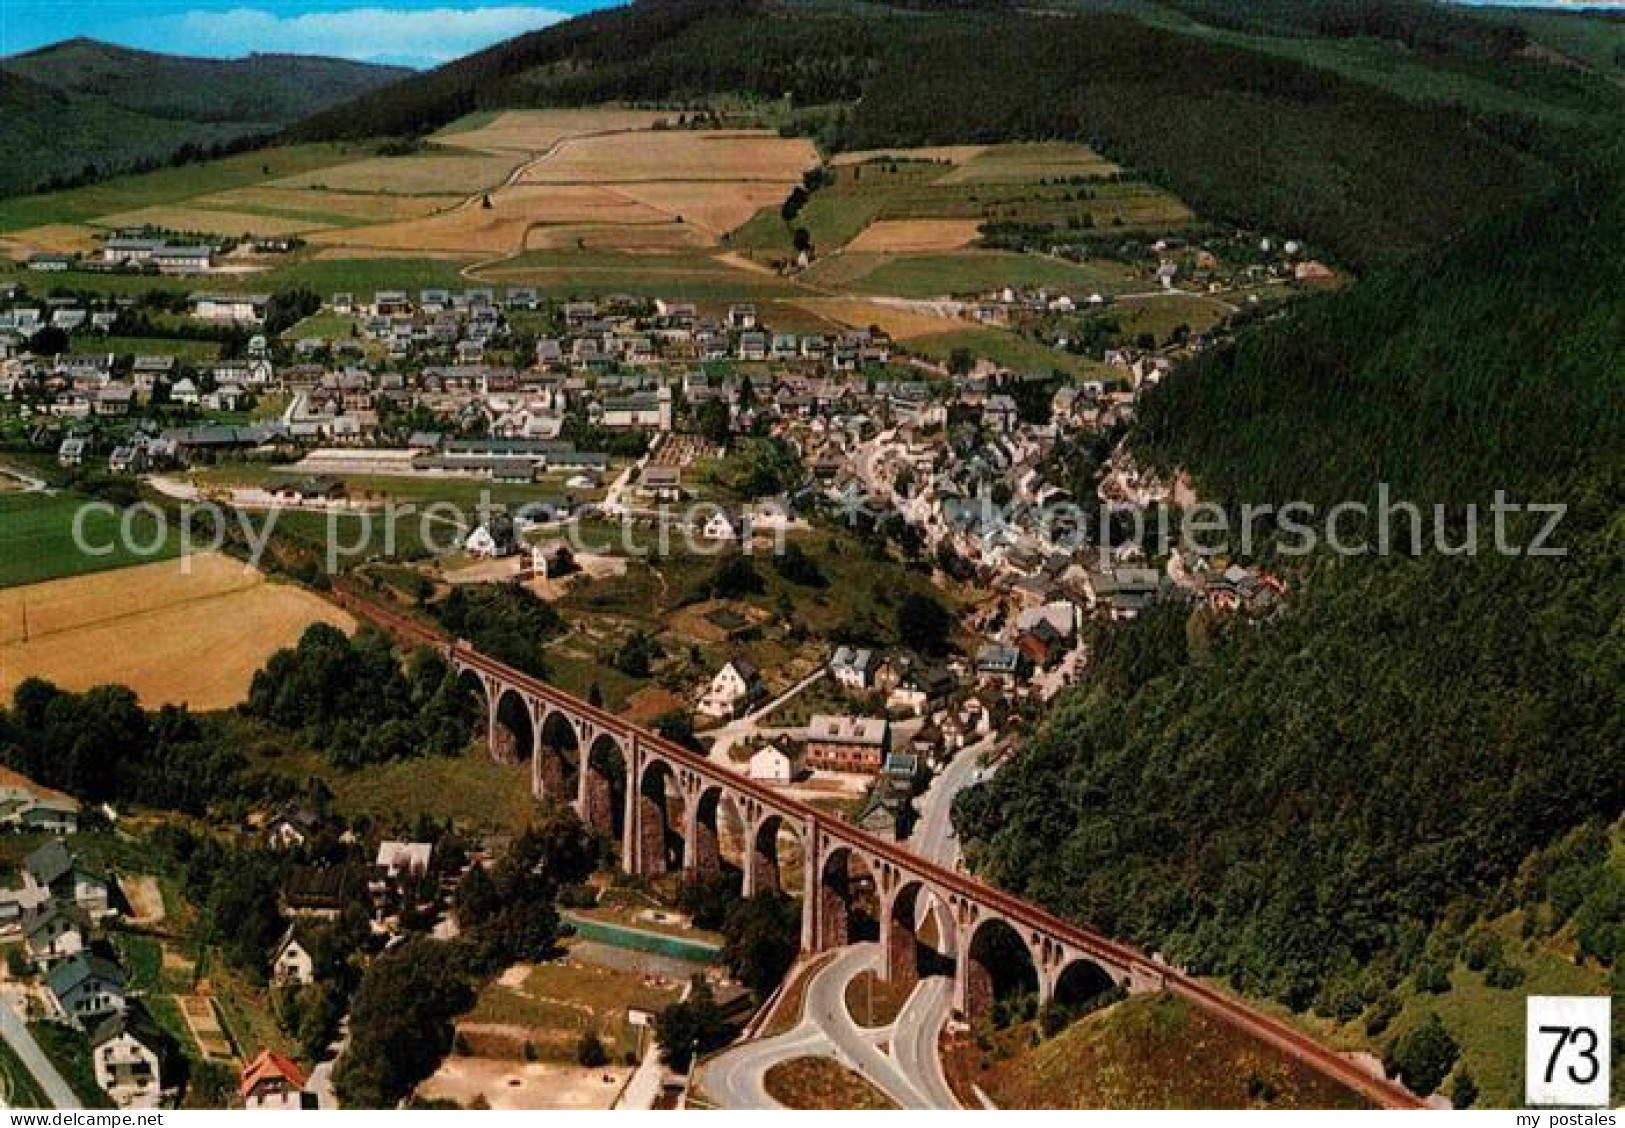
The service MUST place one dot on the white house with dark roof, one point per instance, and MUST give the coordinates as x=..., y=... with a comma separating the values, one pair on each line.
x=732, y=691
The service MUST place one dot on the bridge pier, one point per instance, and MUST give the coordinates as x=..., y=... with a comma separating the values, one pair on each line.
x=961, y=902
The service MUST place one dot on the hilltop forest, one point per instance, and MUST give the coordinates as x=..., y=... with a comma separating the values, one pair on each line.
x=1241, y=134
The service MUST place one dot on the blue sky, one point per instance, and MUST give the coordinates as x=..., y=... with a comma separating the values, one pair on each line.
x=416, y=33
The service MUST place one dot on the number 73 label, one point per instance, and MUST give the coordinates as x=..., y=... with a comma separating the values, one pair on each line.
x=1567, y=1041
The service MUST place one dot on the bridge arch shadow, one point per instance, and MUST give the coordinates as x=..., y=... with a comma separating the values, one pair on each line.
x=513, y=735
x=1001, y=978
x=777, y=858
x=849, y=900
x=605, y=794
x=719, y=832
x=919, y=935
x=660, y=820
x=556, y=772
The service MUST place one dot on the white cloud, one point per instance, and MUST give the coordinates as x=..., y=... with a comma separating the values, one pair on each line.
x=423, y=37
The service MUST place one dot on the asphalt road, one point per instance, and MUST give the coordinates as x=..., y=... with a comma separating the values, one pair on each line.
x=737, y=1079
x=50, y=1081
x=909, y=1068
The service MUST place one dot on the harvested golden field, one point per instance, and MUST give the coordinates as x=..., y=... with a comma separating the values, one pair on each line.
x=51, y=238
x=676, y=155
x=909, y=236
x=427, y=175
x=634, y=237
x=952, y=154
x=502, y=227
x=712, y=206
x=532, y=131
x=318, y=203
x=901, y=324
x=191, y=217
x=174, y=638
x=575, y=203
x=1023, y=164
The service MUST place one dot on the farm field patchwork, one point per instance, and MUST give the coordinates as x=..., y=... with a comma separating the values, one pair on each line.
x=213, y=221
x=173, y=637
x=1067, y=186
x=328, y=205
x=1004, y=348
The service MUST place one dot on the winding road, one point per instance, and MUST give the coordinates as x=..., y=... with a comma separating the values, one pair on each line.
x=901, y=1059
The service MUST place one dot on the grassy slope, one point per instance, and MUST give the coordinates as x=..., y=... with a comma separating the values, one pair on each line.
x=37, y=531
x=168, y=185
x=1148, y=1052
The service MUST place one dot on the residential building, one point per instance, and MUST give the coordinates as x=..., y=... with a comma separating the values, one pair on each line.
x=271, y=1082
x=854, y=667
x=55, y=931
x=86, y=988
x=847, y=744
x=292, y=961
x=128, y=1052
x=734, y=688
x=776, y=764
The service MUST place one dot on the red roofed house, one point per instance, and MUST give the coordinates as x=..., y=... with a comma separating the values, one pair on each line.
x=272, y=1082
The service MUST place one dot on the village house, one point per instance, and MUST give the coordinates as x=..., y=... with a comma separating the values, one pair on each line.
x=999, y=664
x=733, y=690
x=661, y=483
x=398, y=861
x=128, y=1052
x=854, y=667
x=53, y=869
x=320, y=892
x=55, y=931
x=494, y=539
x=172, y=259
x=292, y=960
x=292, y=826
x=847, y=744
x=725, y=524
x=27, y=806
x=775, y=764
x=231, y=308
x=86, y=988
x=271, y=1082
x=920, y=688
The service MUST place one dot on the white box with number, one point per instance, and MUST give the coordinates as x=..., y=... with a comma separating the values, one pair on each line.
x=1567, y=1039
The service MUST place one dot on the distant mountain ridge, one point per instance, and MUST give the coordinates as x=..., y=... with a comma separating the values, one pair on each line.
x=82, y=108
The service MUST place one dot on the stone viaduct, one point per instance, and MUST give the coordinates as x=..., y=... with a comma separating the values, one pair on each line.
x=666, y=806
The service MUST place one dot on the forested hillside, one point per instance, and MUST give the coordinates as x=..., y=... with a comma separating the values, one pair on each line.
x=80, y=109
x=1240, y=134
x=1318, y=807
